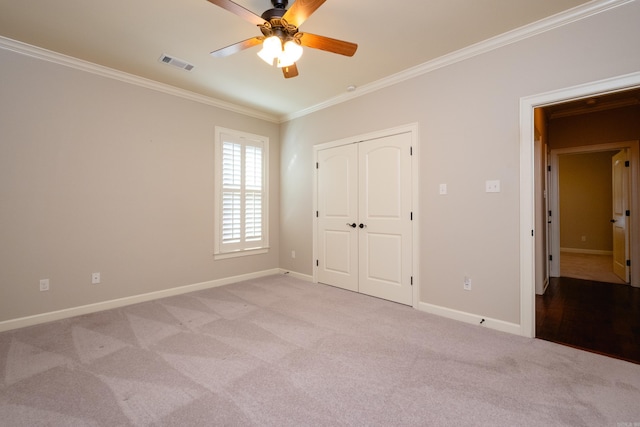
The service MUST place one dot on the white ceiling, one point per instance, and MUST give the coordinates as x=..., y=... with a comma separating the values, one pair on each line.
x=131, y=35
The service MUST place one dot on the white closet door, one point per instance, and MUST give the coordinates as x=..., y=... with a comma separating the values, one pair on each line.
x=385, y=214
x=364, y=235
x=337, y=217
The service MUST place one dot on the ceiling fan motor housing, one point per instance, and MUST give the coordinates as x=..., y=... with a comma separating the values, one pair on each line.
x=273, y=13
x=280, y=4
x=278, y=11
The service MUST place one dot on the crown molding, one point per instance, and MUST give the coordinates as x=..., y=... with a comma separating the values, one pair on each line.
x=575, y=14
x=547, y=24
x=78, y=64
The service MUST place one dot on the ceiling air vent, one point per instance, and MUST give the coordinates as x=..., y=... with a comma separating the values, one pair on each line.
x=176, y=62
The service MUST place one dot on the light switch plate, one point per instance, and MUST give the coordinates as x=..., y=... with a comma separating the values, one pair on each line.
x=443, y=189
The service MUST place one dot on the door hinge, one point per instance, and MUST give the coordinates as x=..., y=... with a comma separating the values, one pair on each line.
x=411, y=216
x=628, y=263
x=627, y=164
x=531, y=233
x=549, y=168
x=411, y=280
x=549, y=213
x=317, y=215
x=317, y=263
x=550, y=257
x=411, y=151
x=627, y=212
x=317, y=165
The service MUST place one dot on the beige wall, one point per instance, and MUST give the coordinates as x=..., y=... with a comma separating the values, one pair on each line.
x=98, y=175
x=585, y=201
x=468, y=116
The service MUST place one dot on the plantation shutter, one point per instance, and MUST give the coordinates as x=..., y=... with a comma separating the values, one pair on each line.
x=242, y=200
x=253, y=194
x=231, y=192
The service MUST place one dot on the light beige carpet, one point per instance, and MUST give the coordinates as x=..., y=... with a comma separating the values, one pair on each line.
x=283, y=352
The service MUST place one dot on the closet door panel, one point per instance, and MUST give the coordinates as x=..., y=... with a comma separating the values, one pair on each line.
x=337, y=216
x=385, y=214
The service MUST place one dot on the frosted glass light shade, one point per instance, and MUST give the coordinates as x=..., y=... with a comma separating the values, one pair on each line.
x=292, y=52
x=271, y=50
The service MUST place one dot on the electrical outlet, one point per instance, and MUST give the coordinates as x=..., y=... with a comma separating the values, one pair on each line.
x=443, y=189
x=492, y=186
x=467, y=283
x=293, y=254
x=44, y=285
x=95, y=278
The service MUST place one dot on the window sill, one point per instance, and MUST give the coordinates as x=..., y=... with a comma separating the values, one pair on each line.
x=240, y=253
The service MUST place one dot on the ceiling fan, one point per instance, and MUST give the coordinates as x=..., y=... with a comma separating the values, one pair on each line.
x=281, y=41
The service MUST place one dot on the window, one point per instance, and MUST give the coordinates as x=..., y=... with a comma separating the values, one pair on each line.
x=242, y=197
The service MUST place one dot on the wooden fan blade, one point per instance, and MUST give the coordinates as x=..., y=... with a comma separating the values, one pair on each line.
x=243, y=13
x=291, y=71
x=330, y=45
x=237, y=47
x=301, y=10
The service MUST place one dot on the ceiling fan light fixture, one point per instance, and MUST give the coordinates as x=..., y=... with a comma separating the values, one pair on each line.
x=271, y=50
x=282, y=43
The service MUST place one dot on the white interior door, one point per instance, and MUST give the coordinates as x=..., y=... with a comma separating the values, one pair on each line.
x=620, y=187
x=364, y=227
x=385, y=214
x=337, y=216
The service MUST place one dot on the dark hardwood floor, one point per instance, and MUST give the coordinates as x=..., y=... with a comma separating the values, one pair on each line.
x=594, y=316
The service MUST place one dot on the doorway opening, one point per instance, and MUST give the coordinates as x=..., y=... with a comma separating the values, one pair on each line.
x=533, y=220
x=588, y=302
x=587, y=207
x=586, y=210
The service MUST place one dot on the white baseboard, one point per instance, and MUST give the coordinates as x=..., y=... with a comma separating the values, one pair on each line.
x=473, y=319
x=135, y=299
x=586, y=251
x=305, y=277
x=121, y=302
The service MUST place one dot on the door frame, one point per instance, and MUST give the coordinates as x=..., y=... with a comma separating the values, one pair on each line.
x=634, y=202
x=527, y=180
x=541, y=162
x=412, y=129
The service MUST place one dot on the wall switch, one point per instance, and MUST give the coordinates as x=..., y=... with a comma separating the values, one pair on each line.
x=44, y=285
x=467, y=283
x=493, y=186
x=293, y=254
x=95, y=278
x=443, y=189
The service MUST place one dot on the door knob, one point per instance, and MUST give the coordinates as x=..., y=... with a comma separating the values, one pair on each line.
x=352, y=225
x=362, y=225
x=614, y=220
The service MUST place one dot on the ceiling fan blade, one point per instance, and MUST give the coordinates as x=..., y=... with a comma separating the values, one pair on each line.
x=330, y=45
x=237, y=47
x=301, y=10
x=290, y=71
x=243, y=13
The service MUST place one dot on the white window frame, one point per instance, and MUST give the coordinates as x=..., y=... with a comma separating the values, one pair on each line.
x=243, y=248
